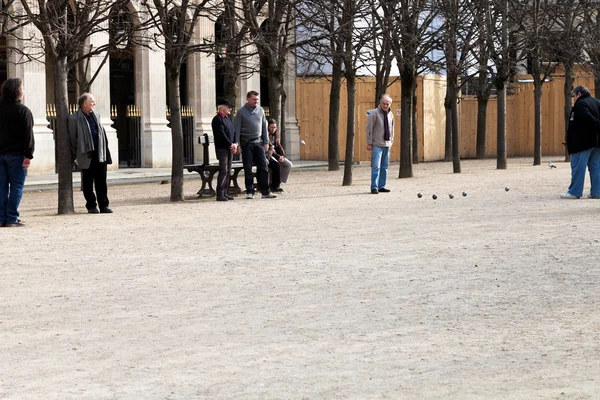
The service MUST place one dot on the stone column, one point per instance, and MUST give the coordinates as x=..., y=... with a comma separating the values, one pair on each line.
x=33, y=75
x=292, y=131
x=100, y=88
x=202, y=88
x=151, y=97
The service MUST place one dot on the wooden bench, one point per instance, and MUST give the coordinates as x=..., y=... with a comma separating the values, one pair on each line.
x=207, y=171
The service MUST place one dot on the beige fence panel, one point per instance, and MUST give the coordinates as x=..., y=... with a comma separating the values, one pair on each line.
x=313, y=118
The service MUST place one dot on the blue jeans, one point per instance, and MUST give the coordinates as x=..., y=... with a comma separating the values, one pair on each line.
x=579, y=163
x=380, y=160
x=594, y=168
x=12, y=181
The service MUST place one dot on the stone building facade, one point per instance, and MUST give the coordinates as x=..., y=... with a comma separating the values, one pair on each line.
x=139, y=80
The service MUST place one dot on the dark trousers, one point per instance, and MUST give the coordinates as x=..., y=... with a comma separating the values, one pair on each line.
x=275, y=173
x=254, y=153
x=224, y=156
x=95, y=175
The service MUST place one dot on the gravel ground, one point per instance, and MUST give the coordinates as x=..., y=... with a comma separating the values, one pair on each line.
x=326, y=292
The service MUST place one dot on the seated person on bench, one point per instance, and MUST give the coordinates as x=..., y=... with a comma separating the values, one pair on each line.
x=277, y=155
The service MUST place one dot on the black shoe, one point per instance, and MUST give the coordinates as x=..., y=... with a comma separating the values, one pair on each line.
x=14, y=224
x=230, y=198
x=277, y=190
x=106, y=210
x=222, y=198
x=384, y=190
x=93, y=211
x=268, y=196
x=374, y=191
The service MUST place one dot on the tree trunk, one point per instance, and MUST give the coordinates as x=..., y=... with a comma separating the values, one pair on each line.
x=173, y=71
x=229, y=89
x=65, y=159
x=283, y=120
x=333, y=156
x=567, y=88
x=415, y=131
x=501, y=129
x=348, y=159
x=406, y=125
x=454, y=125
x=275, y=89
x=501, y=82
x=483, y=97
x=537, y=115
x=482, y=103
x=448, y=127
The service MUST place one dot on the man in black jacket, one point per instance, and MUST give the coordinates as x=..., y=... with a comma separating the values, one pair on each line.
x=582, y=139
x=16, y=150
x=225, y=147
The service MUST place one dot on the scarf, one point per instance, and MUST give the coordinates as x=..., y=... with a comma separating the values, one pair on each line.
x=83, y=129
x=386, y=124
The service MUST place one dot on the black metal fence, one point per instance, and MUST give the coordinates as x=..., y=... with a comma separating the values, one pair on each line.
x=131, y=128
x=187, y=125
x=51, y=118
x=129, y=125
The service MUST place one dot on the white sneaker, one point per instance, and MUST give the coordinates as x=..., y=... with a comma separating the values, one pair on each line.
x=268, y=196
x=568, y=196
x=249, y=196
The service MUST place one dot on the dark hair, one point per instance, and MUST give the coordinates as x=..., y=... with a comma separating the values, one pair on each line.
x=83, y=98
x=581, y=89
x=271, y=121
x=251, y=93
x=12, y=89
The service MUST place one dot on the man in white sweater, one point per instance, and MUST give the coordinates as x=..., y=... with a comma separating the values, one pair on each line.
x=380, y=136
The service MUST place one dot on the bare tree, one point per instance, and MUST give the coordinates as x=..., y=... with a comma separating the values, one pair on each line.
x=272, y=26
x=481, y=53
x=66, y=27
x=458, y=40
x=325, y=56
x=570, y=29
x=175, y=23
x=591, y=43
x=228, y=47
x=411, y=35
x=343, y=34
x=538, y=18
x=503, y=54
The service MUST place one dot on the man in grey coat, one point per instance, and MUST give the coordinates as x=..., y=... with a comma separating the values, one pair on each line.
x=251, y=134
x=380, y=136
x=89, y=146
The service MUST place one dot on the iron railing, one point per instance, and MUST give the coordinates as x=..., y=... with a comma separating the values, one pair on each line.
x=187, y=125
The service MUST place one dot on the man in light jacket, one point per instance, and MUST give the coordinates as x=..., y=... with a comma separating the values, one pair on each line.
x=89, y=146
x=380, y=136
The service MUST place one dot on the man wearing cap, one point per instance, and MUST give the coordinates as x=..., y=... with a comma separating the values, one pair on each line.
x=225, y=147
